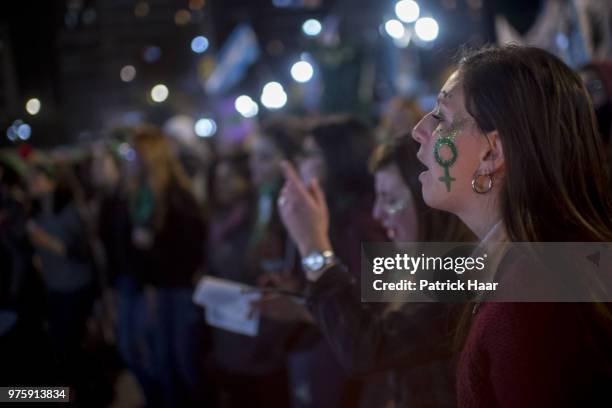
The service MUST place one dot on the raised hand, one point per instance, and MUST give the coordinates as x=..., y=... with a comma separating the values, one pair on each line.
x=303, y=210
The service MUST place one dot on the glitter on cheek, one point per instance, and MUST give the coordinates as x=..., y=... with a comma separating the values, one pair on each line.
x=447, y=141
x=445, y=163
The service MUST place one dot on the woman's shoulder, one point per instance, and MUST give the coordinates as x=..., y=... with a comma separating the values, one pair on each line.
x=539, y=327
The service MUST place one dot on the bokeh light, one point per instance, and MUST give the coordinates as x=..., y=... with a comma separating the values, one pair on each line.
x=159, y=93
x=196, y=4
x=151, y=53
x=199, y=44
x=426, y=28
x=395, y=28
x=24, y=131
x=302, y=71
x=141, y=9
x=205, y=127
x=246, y=106
x=182, y=17
x=127, y=73
x=33, y=106
x=407, y=10
x=273, y=96
x=312, y=27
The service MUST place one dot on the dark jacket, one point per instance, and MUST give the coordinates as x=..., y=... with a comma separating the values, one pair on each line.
x=74, y=271
x=178, y=250
x=251, y=247
x=413, y=341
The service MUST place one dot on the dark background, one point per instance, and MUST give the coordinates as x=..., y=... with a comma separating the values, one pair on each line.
x=68, y=53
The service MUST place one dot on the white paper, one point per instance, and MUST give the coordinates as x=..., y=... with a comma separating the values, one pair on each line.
x=228, y=305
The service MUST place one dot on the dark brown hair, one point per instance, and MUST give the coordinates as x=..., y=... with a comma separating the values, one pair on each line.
x=239, y=163
x=346, y=143
x=433, y=225
x=555, y=186
x=286, y=133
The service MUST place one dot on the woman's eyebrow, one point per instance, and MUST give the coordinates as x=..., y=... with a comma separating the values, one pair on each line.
x=441, y=106
x=444, y=95
x=443, y=100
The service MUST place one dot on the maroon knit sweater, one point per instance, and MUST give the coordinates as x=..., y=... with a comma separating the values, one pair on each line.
x=536, y=355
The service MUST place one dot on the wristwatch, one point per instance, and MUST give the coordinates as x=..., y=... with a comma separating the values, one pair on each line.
x=315, y=263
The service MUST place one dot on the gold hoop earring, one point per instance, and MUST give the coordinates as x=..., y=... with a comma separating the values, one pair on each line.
x=489, y=185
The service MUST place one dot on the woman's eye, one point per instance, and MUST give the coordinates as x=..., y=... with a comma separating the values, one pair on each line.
x=391, y=201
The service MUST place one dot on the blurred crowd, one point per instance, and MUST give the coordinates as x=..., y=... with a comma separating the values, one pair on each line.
x=102, y=245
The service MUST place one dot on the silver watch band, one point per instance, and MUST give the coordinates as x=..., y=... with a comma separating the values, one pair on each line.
x=313, y=276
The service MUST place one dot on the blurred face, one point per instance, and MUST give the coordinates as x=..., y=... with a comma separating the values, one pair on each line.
x=394, y=207
x=312, y=163
x=595, y=87
x=105, y=172
x=229, y=185
x=264, y=161
x=39, y=184
x=452, y=149
x=397, y=119
x=602, y=102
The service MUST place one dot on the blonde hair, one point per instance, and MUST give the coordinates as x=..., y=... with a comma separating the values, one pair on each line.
x=161, y=167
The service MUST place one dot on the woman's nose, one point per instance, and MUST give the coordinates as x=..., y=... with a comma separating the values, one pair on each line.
x=418, y=132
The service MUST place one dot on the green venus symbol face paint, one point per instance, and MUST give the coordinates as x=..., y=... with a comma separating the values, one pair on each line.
x=447, y=141
x=445, y=164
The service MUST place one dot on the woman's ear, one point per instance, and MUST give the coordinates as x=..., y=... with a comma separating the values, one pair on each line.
x=492, y=159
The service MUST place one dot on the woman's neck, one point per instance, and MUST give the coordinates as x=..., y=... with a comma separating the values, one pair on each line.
x=481, y=219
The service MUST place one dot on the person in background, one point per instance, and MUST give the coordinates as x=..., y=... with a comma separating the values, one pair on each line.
x=125, y=269
x=597, y=77
x=252, y=371
x=230, y=214
x=168, y=234
x=24, y=342
x=367, y=338
x=110, y=207
x=278, y=139
x=397, y=116
x=59, y=236
x=335, y=153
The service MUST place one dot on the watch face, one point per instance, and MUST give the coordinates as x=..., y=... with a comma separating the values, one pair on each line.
x=314, y=261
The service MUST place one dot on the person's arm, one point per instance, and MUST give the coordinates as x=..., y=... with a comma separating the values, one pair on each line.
x=367, y=339
x=363, y=339
x=42, y=239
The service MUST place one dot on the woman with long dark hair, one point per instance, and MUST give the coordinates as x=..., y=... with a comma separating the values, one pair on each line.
x=512, y=149
x=336, y=153
x=389, y=338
